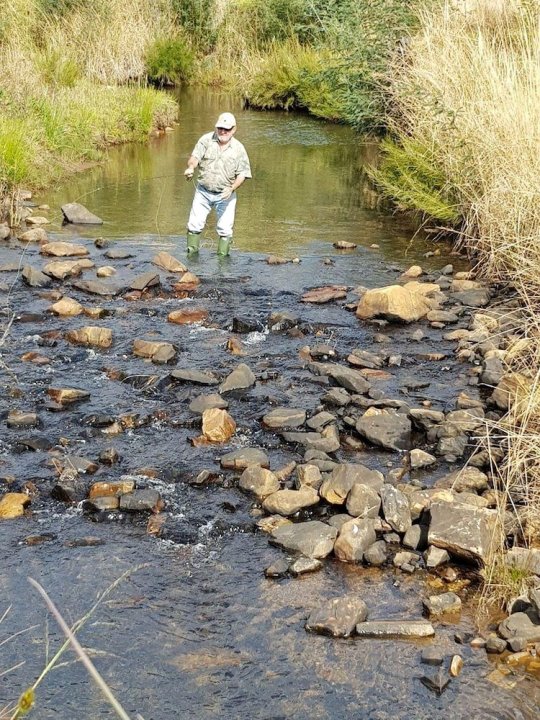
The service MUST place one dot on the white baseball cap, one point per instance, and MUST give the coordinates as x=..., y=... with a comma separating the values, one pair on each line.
x=226, y=120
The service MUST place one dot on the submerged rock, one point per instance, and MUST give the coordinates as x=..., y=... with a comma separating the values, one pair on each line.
x=395, y=628
x=63, y=249
x=313, y=539
x=338, y=617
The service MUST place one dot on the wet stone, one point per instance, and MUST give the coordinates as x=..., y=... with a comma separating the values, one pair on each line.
x=141, y=500
x=495, y=645
x=320, y=420
x=279, y=321
x=78, y=214
x=243, y=458
x=35, y=235
x=437, y=683
x=67, y=396
x=12, y=505
x=197, y=377
x=241, y=378
x=337, y=617
x=35, y=443
x=312, y=539
x=395, y=628
x=289, y=502
x=442, y=604
x=243, y=326
x=336, y=396
x=303, y=565
x=35, y=278
x=432, y=656
x=69, y=488
x=101, y=504
x=284, y=417
x=96, y=287
x=117, y=254
x=376, y=554
x=390, y=431
x=206, y=402
x=260, y=481
x=169, y=263
x=18, y=419
x=109, y=456
x=145, y=281
x=277, y=569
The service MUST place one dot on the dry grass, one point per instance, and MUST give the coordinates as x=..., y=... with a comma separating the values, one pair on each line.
x=469, y=90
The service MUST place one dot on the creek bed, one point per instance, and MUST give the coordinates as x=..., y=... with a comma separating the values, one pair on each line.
x=196, y=628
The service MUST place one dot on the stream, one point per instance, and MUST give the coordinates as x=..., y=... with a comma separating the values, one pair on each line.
x=195, y=629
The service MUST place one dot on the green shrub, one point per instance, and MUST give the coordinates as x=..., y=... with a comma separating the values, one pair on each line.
x=169, y=61
x=409, y=174
x=197, y=20
x=17, y=151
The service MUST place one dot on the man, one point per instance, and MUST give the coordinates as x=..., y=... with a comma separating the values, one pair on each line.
x=223, y=166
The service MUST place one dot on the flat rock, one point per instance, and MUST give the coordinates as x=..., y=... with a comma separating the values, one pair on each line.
x=289, y=502
x=394, y=303
x=204, y=402
x=337, y=617
x=302, y=566
x=327, y=440
x=469, y=479
x=388, y=430
x=145, y=281
x=325, y=294
x=63, y=249
x=78, y=214
x=187, y=316
x=241, y=378
x=169, y=263
x=91, y=336
x=66, y=396
x=158, y=352
x=395, y=628
x=18, y=419
x=66, y=307
x=243, y=458
x=197, y=377
x=462, y=530
x=118, y=254
x=336, y=488
x=284, y=417
x=35, y=235
x=67, y=268
x=96, y=287
x=313, y=539
x=442, y=604
x=140, y=500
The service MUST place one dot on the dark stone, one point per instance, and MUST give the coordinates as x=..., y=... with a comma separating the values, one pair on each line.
x=432, y=656
x=337, y=617
x=33, y=443
x=139, y=500
x=277, y=569
x=436, y=683
x=69, y=489
x=246, y=325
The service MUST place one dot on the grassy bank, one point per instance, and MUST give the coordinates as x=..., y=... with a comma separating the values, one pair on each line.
x=68, y=86
x=466, y=124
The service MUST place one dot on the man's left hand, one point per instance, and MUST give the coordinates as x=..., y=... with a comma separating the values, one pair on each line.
x=226, y=194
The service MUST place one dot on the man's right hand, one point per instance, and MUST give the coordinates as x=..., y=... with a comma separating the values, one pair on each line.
x=188, y=173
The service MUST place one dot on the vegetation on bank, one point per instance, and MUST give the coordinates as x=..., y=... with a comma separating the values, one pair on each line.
x=464, y=152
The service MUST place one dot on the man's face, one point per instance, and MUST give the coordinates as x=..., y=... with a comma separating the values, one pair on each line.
x=225, y=135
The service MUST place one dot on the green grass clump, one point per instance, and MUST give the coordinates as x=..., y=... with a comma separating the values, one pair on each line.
x=57, y=70
x=169, y=61
x=408, y=173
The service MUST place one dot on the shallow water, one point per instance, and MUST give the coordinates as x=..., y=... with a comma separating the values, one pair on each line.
x=196, y=629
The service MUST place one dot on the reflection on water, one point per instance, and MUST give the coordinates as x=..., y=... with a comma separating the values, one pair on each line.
x=309, y=184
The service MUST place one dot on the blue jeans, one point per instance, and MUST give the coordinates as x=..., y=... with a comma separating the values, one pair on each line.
x=203, y=202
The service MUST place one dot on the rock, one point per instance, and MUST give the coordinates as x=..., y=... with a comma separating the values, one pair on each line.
x=66, y=396
x=432, y=656
x=436, y=556
x=534, y=598
x=158, y=352
x=289, y=502
x=413, y=272
x=463, y=530
x=527, y=559
x=278, y=569
x=78, y=214
x=91, y=336
x=388, y=430
x=495, y=645
x=96, y=287
x=395, y=508
x=520, y=625
x=395, y=628
x=79, y=464
x=466, y=479
x=139, y=500
x=363, y=501
x=284, y=417
x=145, y=281
x=259, y=481
x=12, y=505
x=240, y=378
x=66, y=307
x=69, y=488
x=354, y=538
x=187, y=316
x=17, y=419
x=105, y=271
x=365, y=359
x=277, y=260
x=415, y=537
x=243, y=458
x=217, y=425
x=109, y=456
x=327, y=440
x=67, y=268
x=442, y=604
x=303, y=565
x=115, y=489
x=473, y=298
x=35, y=278
x=426, y=419
x=169, y=263
x=324, y=294
x=492, y=371
x=243, y=326
x=279, y=321
x=116, y=254
x=205, y=402
x=308, y=475
x=63, y=249
x=320, y=420
x=442, y=316
x=513, y=388
x=349, y=379
x=337, y=617
x=337, y=396
x=344, y=245
x=394, y=303
x=101, y=504
x=376, y=554
x=420, y=459
x=35, y=235
x=336, y=488
x=37, y=220
x=313, y=539
x=436, y=683
x=404, y=559
x=197, y=377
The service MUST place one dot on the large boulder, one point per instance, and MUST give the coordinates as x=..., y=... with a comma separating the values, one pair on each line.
x=289, y=502
x=77, y=213
x=386, y=429
x=463, y=530
x=395, y=303
x=355, y=537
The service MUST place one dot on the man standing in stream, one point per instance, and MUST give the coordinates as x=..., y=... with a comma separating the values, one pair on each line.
x=223, y=166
